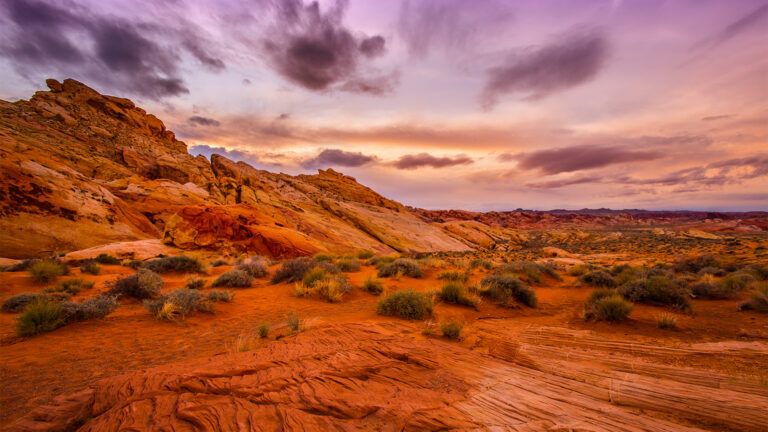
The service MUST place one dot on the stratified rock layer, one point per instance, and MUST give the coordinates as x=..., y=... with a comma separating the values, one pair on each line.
x=369, y=376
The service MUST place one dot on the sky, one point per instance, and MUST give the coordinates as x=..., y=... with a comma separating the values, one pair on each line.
x=476, y=105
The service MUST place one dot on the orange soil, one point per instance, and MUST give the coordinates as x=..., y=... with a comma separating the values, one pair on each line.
x=35, y=370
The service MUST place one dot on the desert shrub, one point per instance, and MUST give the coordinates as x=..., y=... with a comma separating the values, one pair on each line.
x=220, y=296
x=263, y=331
x=598, y=278
x=714, y=271
x=407, y=304
x=294, y=322
x=134, y=264
x=758, y=300
x=293, y=270
x=504, y=287
x=18, y=302
x=144, y=284
x=666, y=321
x=329, y=267
x=758, y=271
x=579, y=270
x=219, y=262
x=323, y=257
x=70, y=286
x=46, y=270
x=695, y=263
x=530, y=271
x=455, y=276
x=90, y=267
x=178, y=304
x=179, y=263
x=711, y=290
x=313, y=276
x=332, y=289
x=373, y=286
x=454, y=292
x=625, y=273
x=658, y=291
x=195, y=283
x=451, y=329
x=365, y=254
x=402, y=266
x=40, y=316
x=380, y=261
x=108, y=259
x=480, y=263
x=95, y=307
x=606, y=305
x=737, y=281
x=256, y=269
x=348, y=265
x=234, y=279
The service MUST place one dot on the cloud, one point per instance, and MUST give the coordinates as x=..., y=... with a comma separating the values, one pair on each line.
x=716, y=117
x=578, y=158
x=335, y=157
x=554, y=184
x=409, y=162
x=752, y=19
x=313, y=49
x=203, y=121
x=50, y=39
x=538, y=72
x=729, y=171
x=449, y=25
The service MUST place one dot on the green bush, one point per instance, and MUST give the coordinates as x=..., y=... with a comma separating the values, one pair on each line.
x=220, y=296
x=365, y=254
x=666, y=321
x=348, y=265
x=96, y=307
x=40, y=316
x=737, y=281
x=103, y=258
x=178, y=304
x=294, y=322
x=380, y=261
x=332, y=289
x=18, y=302
x=195, y=283
x=70, y=286
x=758, y=300
x=144, y=284
x=373, y=286
x=504, y=287
x=530, y=271
x=90, y=267
x=234, y=279
x=293, y=270
x=607, y=305
x=451, y=329
x=481, y=263
x=323, y=257
x=455, y=276
x=658, y=291
x=598, y=278
x=401, y=266
x=405, y=304
x=179, y=264
x=313, y=276
x=712, y=291
x=263, y=331
x=695, y=263
x=46, y=271
x=625, y=273
x=454, y=292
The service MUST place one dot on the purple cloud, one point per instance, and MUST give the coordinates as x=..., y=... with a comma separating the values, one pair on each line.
x=578, y=158
x=409, y=162
x=203, y=121
x=312, y=48
x=541, y=71
x=335, y=157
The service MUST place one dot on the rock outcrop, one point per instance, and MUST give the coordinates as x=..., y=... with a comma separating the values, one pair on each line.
x=81, y=169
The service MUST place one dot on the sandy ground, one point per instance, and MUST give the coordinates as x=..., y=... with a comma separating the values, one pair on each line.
x=36, y=370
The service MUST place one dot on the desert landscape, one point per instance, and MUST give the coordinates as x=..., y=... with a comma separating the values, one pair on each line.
x=155, y=282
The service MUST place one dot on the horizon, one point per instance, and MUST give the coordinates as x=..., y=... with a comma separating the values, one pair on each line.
x=616, y=104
